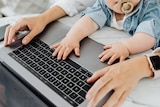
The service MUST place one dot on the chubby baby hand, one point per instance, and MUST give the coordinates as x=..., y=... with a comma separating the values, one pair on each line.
x=113, y=52
x=65, y=47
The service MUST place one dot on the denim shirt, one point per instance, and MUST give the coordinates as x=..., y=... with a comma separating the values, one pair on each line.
x=144, y=18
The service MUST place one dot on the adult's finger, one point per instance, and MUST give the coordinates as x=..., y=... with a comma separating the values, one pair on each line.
x=6, y=35
x=97, y=86
x=29, y=36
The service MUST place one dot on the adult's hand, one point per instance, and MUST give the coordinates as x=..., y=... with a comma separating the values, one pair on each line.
x=34, y=24
x=121, y=77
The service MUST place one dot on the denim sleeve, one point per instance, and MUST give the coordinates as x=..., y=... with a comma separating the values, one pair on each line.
x=151, y=25
x=96, y=13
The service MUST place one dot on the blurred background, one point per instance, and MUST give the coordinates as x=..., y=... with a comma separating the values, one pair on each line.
x=1, y=5
x=21, y=7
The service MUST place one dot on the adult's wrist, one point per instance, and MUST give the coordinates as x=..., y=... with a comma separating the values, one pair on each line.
x=140, y=66
x=154, y=62
x=53, y=14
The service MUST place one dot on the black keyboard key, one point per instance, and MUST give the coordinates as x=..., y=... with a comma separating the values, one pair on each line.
x=76, y=88
x=50, y=62
x=67, y=67
x=34, y=45
x=77, y=74
x=51, y=79
x=65, y=81
x=37, y=53
x=57, y=83
x=44, y=51
x=64, y=72
x=55, y=73
x=38, y=68
x=29, y=62
x=24, y=50
x=83, y=70
x=45, y=66
x=75, y=79
x=17, y=52
x=20, y=55
x=67, y=91
x=69, y=76
x=80, y=83
x=48, y=54
x=43, y=44
x=42, y=72
x=79, y=100
x=73, y=95
x=33, y=65
x=41, y=63
x=50, y=69
x=45, y=59
x=33, y=50
x=62, y=63
x=62, y=87
x=72, y=70
x=59, y=68
x=86, y=87
x=47, y=75
x=41, y=56
x=36, y=60
x=88, y=74
x=73, y=63
x=32, y=56
x=25, y=58
x=28, y=54
x=54, y=65
x=83, y=77
x=60, y=77
x=28, y=47
x=82, y=93
x=70, y=85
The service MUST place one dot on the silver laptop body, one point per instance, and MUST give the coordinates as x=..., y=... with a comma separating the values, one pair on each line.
x=53, y=33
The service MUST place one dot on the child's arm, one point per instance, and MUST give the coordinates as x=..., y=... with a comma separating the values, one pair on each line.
x=82, y=28
x=138, y=43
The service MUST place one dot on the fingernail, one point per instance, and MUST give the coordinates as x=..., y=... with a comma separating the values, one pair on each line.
x=88, y=96
x=24, y=41
x=101, y=60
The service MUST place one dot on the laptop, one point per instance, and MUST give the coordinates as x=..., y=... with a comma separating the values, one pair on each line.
x=63, y=85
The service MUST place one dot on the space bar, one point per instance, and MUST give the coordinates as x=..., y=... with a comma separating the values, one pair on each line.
x=72, y=63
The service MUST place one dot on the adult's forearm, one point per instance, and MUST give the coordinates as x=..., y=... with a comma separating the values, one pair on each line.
x=52, y=14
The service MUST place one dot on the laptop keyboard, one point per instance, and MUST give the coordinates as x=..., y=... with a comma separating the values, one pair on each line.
x=65, y=77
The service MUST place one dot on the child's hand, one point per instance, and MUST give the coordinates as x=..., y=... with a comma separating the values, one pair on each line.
x=113, y=52
x=64, y=48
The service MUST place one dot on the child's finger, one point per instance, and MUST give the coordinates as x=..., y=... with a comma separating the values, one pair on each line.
x=55, y=45
x=103, y=53
x=106, y=56
x=61, y=53
x=56, y=51
x=66, y=53
x=113, y=58
x=77, y=51
x=122, y=59
x=107, y=46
